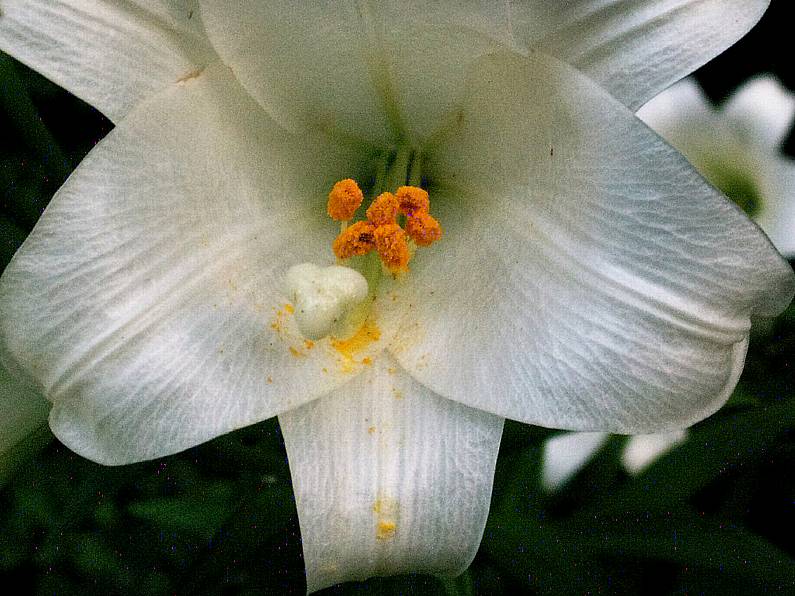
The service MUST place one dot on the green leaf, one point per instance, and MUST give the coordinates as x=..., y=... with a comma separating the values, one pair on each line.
x=540, y=555
x=686, y=539
x=201, y=513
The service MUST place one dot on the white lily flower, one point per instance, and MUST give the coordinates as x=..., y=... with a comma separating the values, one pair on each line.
x=567, y=453
x=736, y=146
x=587, y=278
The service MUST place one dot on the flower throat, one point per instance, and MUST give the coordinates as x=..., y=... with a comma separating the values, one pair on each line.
x=337, y=300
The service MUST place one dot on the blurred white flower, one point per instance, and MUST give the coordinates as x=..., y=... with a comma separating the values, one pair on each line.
x=564, y=455
x=737, y=146
x=587, y=279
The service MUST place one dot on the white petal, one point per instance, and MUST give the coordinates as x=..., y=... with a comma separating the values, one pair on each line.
x=588, y=278
x=109, y=53
x=642, y=450
x=565, y=455
x=637, y=48
x=147, y=303
x=374, y=70
x=389, y=478
x=762, y=112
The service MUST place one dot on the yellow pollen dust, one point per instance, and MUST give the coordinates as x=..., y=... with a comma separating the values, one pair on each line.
x=385, y=530
x=348, y=348
x=380, y=231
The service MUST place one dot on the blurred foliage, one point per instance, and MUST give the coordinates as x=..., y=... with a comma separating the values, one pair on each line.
x=715, y=516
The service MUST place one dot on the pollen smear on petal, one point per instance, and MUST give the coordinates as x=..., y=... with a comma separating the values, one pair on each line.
x=385, y=530
x=355, y=241
x=412, y=199
x=344, y=199
x=383, y=210
x=423, y=229
x=392, y=247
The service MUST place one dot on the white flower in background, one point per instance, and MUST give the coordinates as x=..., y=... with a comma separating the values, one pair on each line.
x=566, y=454
x=587, y=277
x=737, y=146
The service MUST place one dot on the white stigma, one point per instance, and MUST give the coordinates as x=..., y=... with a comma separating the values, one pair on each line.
x=323, y=297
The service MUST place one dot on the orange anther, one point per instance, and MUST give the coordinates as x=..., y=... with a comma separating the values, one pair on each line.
x=423, y=229
x=344, y=199
x=384, y=209
x=392, y=247
x=356, y=240
x=412, y=199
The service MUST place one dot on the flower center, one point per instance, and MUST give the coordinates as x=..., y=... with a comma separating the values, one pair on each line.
x=337, y=300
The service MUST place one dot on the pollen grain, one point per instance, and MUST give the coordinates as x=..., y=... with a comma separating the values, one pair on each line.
x=356, y=240
x=423, y=229
x=383, y=210
x=344, y=199
x=412, y=199
x=392, y=247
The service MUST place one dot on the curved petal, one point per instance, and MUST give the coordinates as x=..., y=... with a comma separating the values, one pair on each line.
x=389, y=478
x=111, y=53
x=637, y=48
x=588, y=278
x=762, y=112
x=375, y=70
x=147, y=303
x=565, y=455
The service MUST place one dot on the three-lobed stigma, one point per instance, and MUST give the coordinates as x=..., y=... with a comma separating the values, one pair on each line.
x=381, y=231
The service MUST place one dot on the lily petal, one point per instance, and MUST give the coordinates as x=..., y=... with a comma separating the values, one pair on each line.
x=147, y=302
x=111, y=54
x=589, y=278
x=375, y=70
x=762, y=112
x=389, y=478
x=637, y=48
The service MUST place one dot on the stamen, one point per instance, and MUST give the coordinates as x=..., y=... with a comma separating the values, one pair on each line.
x=412, y=199
x=381, y=231
x=344, y=199
x=423, y=229
x=383, y=210
x=392, y=247
x=355, y=241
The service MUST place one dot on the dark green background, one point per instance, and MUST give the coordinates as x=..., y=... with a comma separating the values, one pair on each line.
x=714, y=517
